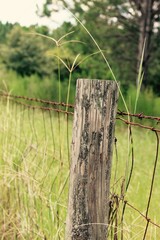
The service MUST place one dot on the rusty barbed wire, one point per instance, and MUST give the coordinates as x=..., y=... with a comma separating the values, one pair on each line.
x=37, y=100
x=42, y=108
x=125, y=203
x=119, y=112
x=138, y=125
x=138, y=115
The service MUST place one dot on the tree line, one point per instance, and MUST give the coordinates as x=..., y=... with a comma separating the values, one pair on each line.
x=127, y=32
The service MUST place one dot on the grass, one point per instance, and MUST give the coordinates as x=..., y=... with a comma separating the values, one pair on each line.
x=34, y=170
x=138, y=191
x=34, y=173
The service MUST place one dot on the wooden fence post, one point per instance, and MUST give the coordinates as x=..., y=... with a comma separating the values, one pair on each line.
x=91, y=154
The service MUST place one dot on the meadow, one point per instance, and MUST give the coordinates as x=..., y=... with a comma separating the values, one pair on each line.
x=34, y=175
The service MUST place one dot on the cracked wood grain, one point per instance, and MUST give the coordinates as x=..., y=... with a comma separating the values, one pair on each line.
x=91, y=157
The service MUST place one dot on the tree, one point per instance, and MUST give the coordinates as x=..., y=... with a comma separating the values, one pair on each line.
x=26, y=53
x=4, y=30
x=148, y=12
x=126, y=26
x=154, y=70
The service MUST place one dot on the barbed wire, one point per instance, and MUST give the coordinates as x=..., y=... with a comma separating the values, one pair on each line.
x=43, y=108
x=122, y=198
x=138, y=115
x=37, y=100
x=138, y=125
x=119, y=112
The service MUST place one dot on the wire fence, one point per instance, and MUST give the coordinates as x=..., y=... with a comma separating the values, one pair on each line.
x=35, y=156
x=35, y=151
x=129, y=184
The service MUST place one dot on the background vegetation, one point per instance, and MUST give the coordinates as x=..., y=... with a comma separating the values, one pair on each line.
x=41, y=66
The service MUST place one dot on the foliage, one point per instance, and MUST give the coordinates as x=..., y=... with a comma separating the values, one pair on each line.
x=34, y=86
x=4, y=30
x=121, y=28
x=147, y=103
x=154, y=70
x=26, y=53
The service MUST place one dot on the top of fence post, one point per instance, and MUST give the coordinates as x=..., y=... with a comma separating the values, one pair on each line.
x=91, y=154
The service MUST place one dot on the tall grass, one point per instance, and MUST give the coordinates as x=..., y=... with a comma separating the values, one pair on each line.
x=148, y=102
x=138, y=191
x=34, y=86
x=34, y=171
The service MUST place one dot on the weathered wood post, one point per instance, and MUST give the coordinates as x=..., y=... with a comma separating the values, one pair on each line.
x=91, y=154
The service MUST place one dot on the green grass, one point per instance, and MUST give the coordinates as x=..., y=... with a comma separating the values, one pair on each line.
x=34, y=173
x=34, y=170
x=138, y=191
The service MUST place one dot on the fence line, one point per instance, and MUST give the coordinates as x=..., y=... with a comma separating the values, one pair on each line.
x=139, y=125
x=119, y=112
x=37, y=100
x=20, y=135
x=139, y=116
